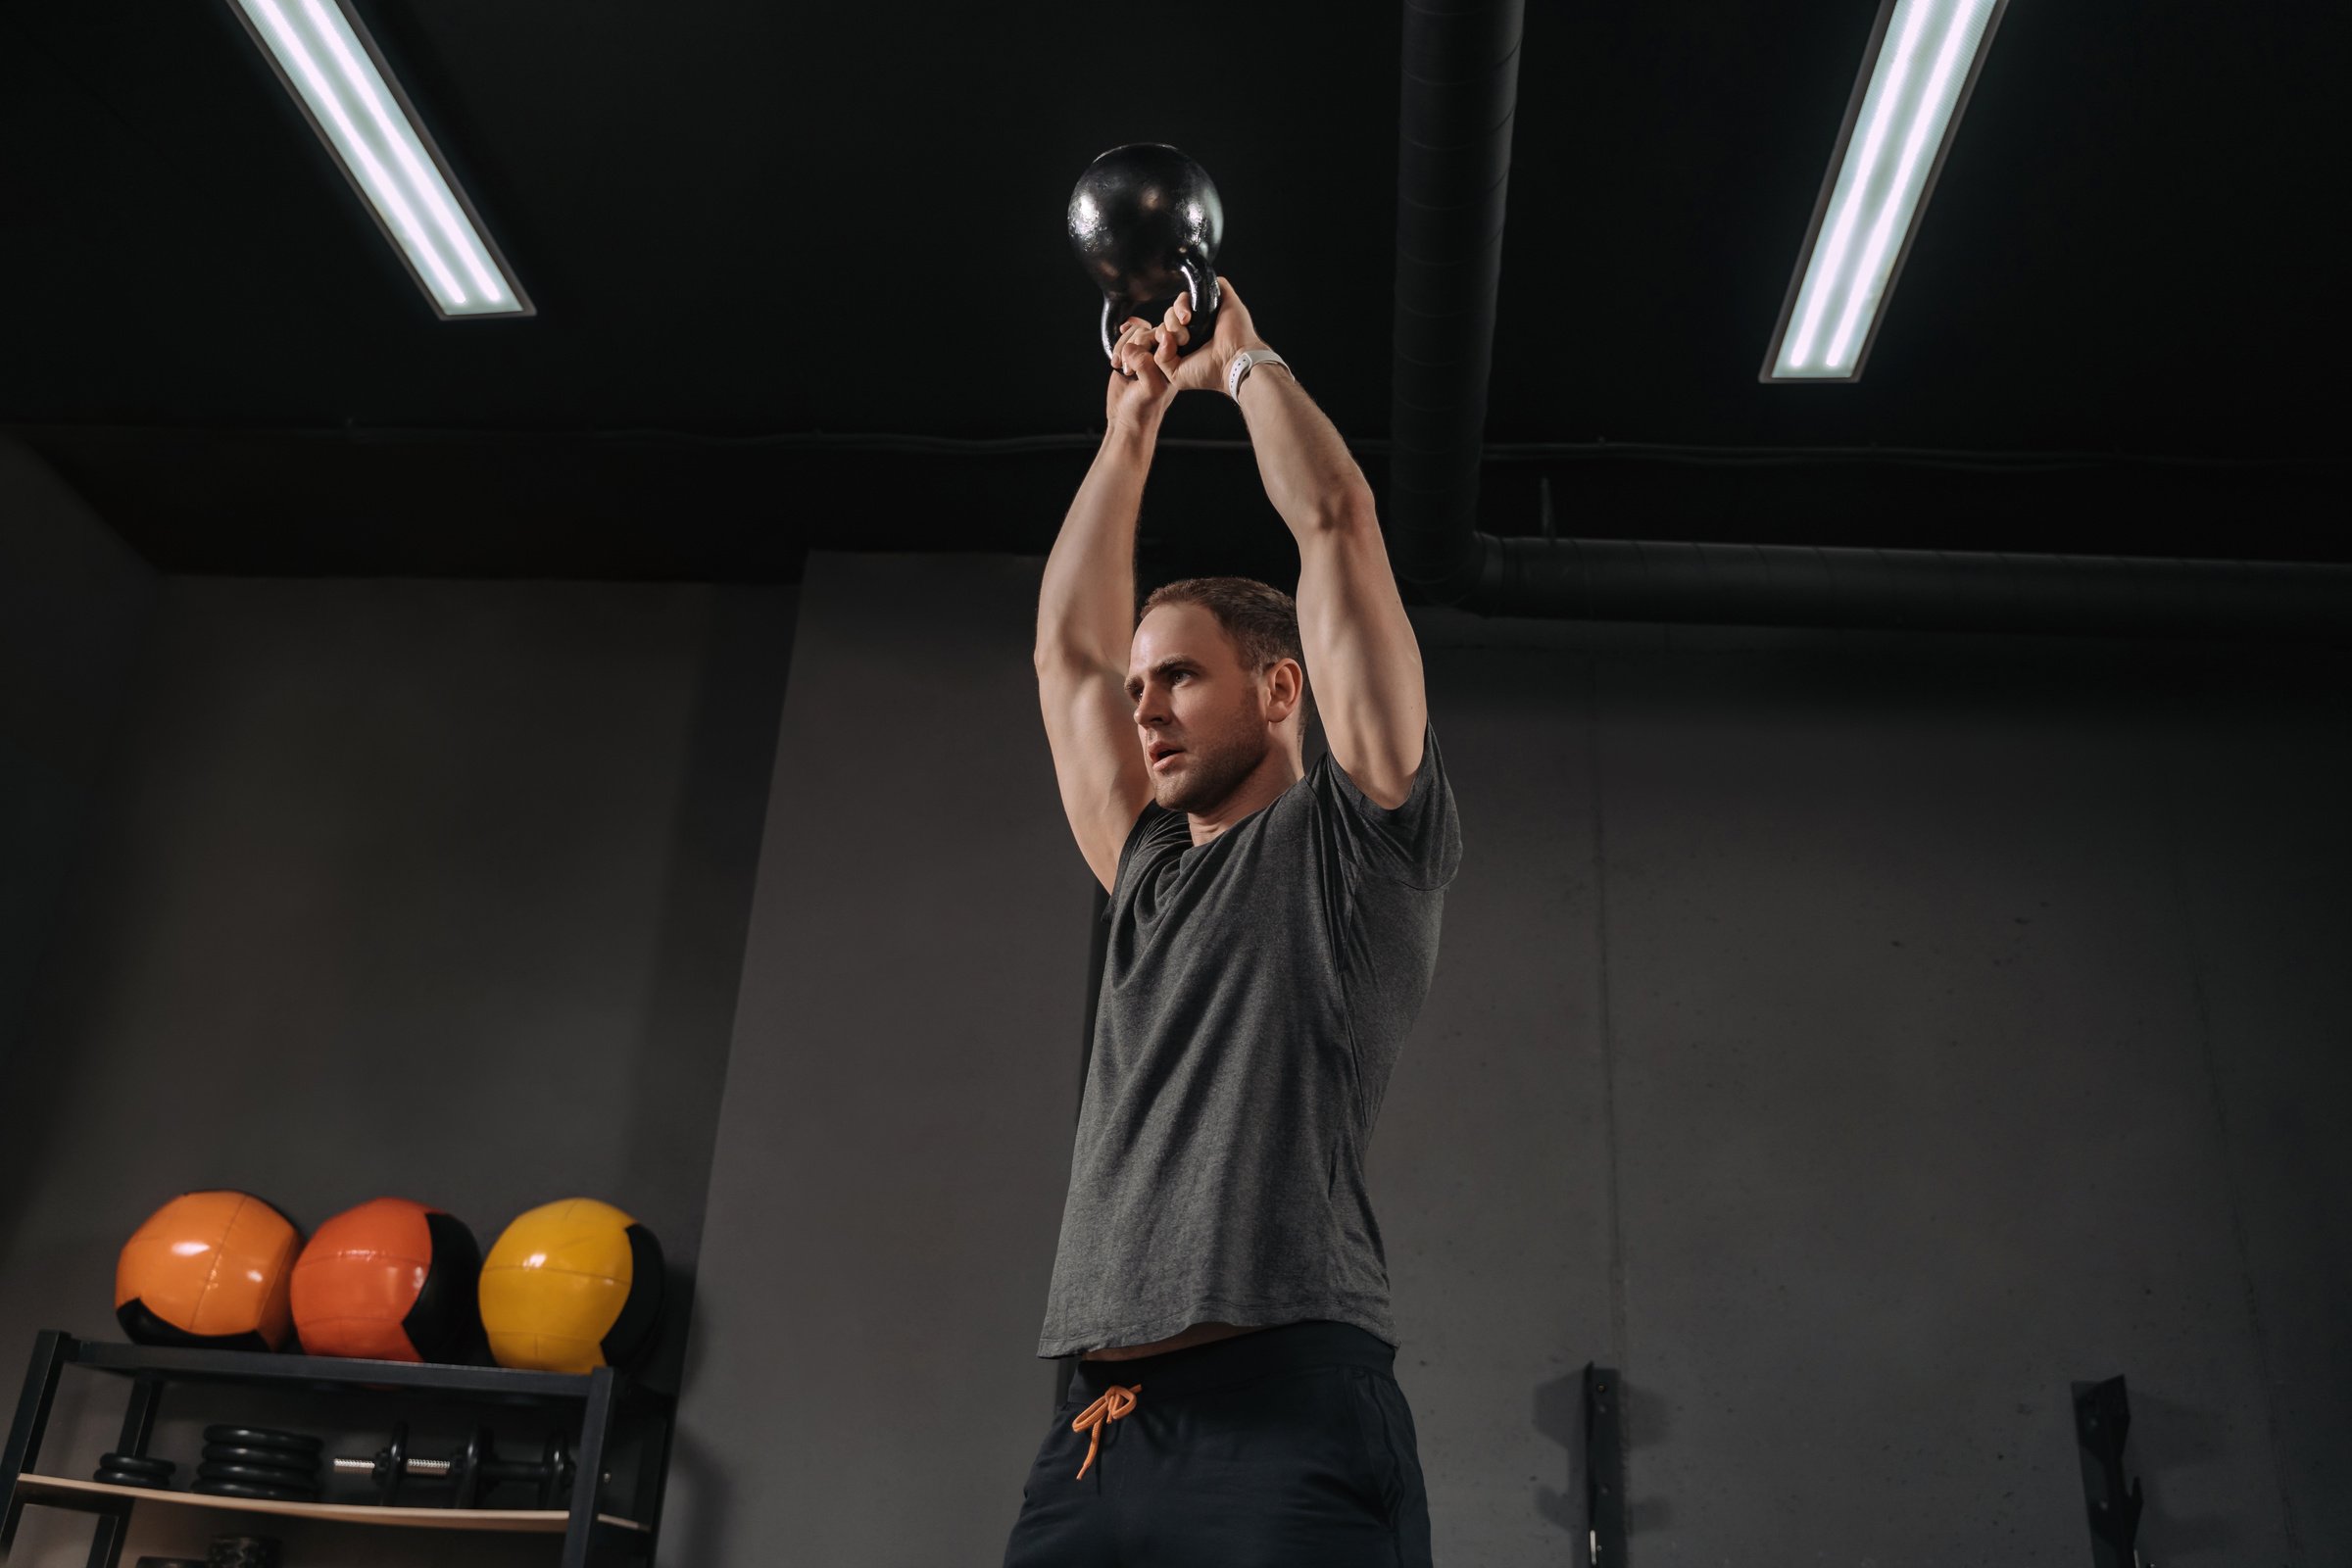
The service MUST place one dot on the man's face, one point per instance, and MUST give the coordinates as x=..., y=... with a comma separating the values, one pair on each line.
x=1190, y=693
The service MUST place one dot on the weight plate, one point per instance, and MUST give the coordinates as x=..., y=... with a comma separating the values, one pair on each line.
x=276, y=1459
x=262, y=1438
x=261, y=1475
x=240, y=1489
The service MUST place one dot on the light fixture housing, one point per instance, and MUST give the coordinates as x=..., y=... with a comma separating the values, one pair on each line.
x=324, y=56
x=1918, y=71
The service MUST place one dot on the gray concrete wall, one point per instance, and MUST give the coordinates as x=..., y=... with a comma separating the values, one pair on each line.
x=894, y=1142
x=1832, y=1035
x=74, y=603
x=421, y=888
x=1855, y=1039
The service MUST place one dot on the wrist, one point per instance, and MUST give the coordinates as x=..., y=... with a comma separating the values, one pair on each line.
x=1235, y=374
x=1225, y=365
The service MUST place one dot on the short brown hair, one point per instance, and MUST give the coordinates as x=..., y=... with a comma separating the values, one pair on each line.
x=1259, y=620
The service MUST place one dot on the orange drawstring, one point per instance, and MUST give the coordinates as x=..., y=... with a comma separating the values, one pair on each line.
x=1114, y=1404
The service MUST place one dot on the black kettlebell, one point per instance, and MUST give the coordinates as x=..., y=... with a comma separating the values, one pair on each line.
x=1146, y=222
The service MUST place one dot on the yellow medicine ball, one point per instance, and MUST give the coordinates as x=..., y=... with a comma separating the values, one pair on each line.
x=570, y=1285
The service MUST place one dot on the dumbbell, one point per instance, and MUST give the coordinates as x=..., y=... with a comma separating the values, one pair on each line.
x=469, y=1472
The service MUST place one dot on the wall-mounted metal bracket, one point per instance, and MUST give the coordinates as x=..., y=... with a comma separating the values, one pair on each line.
x=2103, y=1418
x=1604, y=1468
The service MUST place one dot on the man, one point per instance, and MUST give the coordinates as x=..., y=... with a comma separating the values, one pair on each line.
x=1272, y=934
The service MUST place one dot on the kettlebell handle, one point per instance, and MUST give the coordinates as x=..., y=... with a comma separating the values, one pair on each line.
x=1200, y=278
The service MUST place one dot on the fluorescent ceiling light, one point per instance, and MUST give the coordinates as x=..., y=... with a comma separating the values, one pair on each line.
x=330, y=65
x=1916, y=75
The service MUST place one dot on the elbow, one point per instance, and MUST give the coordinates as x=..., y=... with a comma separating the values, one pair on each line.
x=1351, y=507
x=1049, y=659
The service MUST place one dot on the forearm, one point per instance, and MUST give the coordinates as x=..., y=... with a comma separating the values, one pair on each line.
x=1309, y=473
x=1086, y=605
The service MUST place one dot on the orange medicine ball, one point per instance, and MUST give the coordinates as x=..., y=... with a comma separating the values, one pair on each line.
x=209, y=1269
x=391, y=1280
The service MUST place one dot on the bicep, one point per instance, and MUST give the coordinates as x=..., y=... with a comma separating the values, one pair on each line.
x=1096, y=762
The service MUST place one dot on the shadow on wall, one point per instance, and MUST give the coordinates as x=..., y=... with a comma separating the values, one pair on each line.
x=40, y=1073
x=2168, y=1437
x=697, y=1500
x=1559, y=1415
x=714, y=865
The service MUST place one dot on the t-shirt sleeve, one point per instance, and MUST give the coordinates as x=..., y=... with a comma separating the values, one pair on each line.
x=1418, y=842
x=1138, y=833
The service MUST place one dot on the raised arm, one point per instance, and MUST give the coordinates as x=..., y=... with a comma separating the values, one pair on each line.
x=1086, y=600
x=1309, y=473
x=1086, y=617
x=1362, y=660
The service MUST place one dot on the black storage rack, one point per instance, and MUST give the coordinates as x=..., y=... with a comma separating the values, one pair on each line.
x=610, y=1405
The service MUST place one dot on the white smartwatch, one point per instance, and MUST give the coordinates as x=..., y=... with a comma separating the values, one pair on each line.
x=1239, y=369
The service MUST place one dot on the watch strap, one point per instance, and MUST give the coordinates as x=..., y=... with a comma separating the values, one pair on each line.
x=1238, y=370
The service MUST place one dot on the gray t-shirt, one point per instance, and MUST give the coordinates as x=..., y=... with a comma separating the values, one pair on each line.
x=1256, y=990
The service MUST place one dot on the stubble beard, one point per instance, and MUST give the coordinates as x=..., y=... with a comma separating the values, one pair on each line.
x=1205, y=780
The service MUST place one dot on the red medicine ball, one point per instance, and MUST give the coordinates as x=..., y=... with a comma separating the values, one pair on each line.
x=389, y=1281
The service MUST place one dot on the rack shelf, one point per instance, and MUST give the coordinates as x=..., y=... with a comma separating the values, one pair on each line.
x=602, y=1405
x=521, y=1521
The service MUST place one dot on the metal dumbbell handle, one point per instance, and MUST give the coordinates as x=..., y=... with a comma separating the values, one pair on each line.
x=414, y=1467
x=440, y=1468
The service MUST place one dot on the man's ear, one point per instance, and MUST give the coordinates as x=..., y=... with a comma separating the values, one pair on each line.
x=1288, y=685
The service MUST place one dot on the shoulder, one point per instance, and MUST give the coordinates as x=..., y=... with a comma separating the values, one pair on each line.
x=1388, y=800
x=1416, y=842
x=1155, y=830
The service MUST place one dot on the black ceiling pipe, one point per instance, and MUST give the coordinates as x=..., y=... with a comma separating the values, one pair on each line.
x=1921, y=590
x=1453, y=167
x=1460, y=97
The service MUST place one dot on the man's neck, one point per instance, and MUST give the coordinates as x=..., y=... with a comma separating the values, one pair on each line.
x=1261, y=789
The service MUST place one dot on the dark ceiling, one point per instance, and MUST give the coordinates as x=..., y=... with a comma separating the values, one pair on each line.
x=801, y=281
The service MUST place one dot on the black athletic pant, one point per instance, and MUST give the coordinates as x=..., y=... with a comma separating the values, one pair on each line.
x=1288, y=1446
